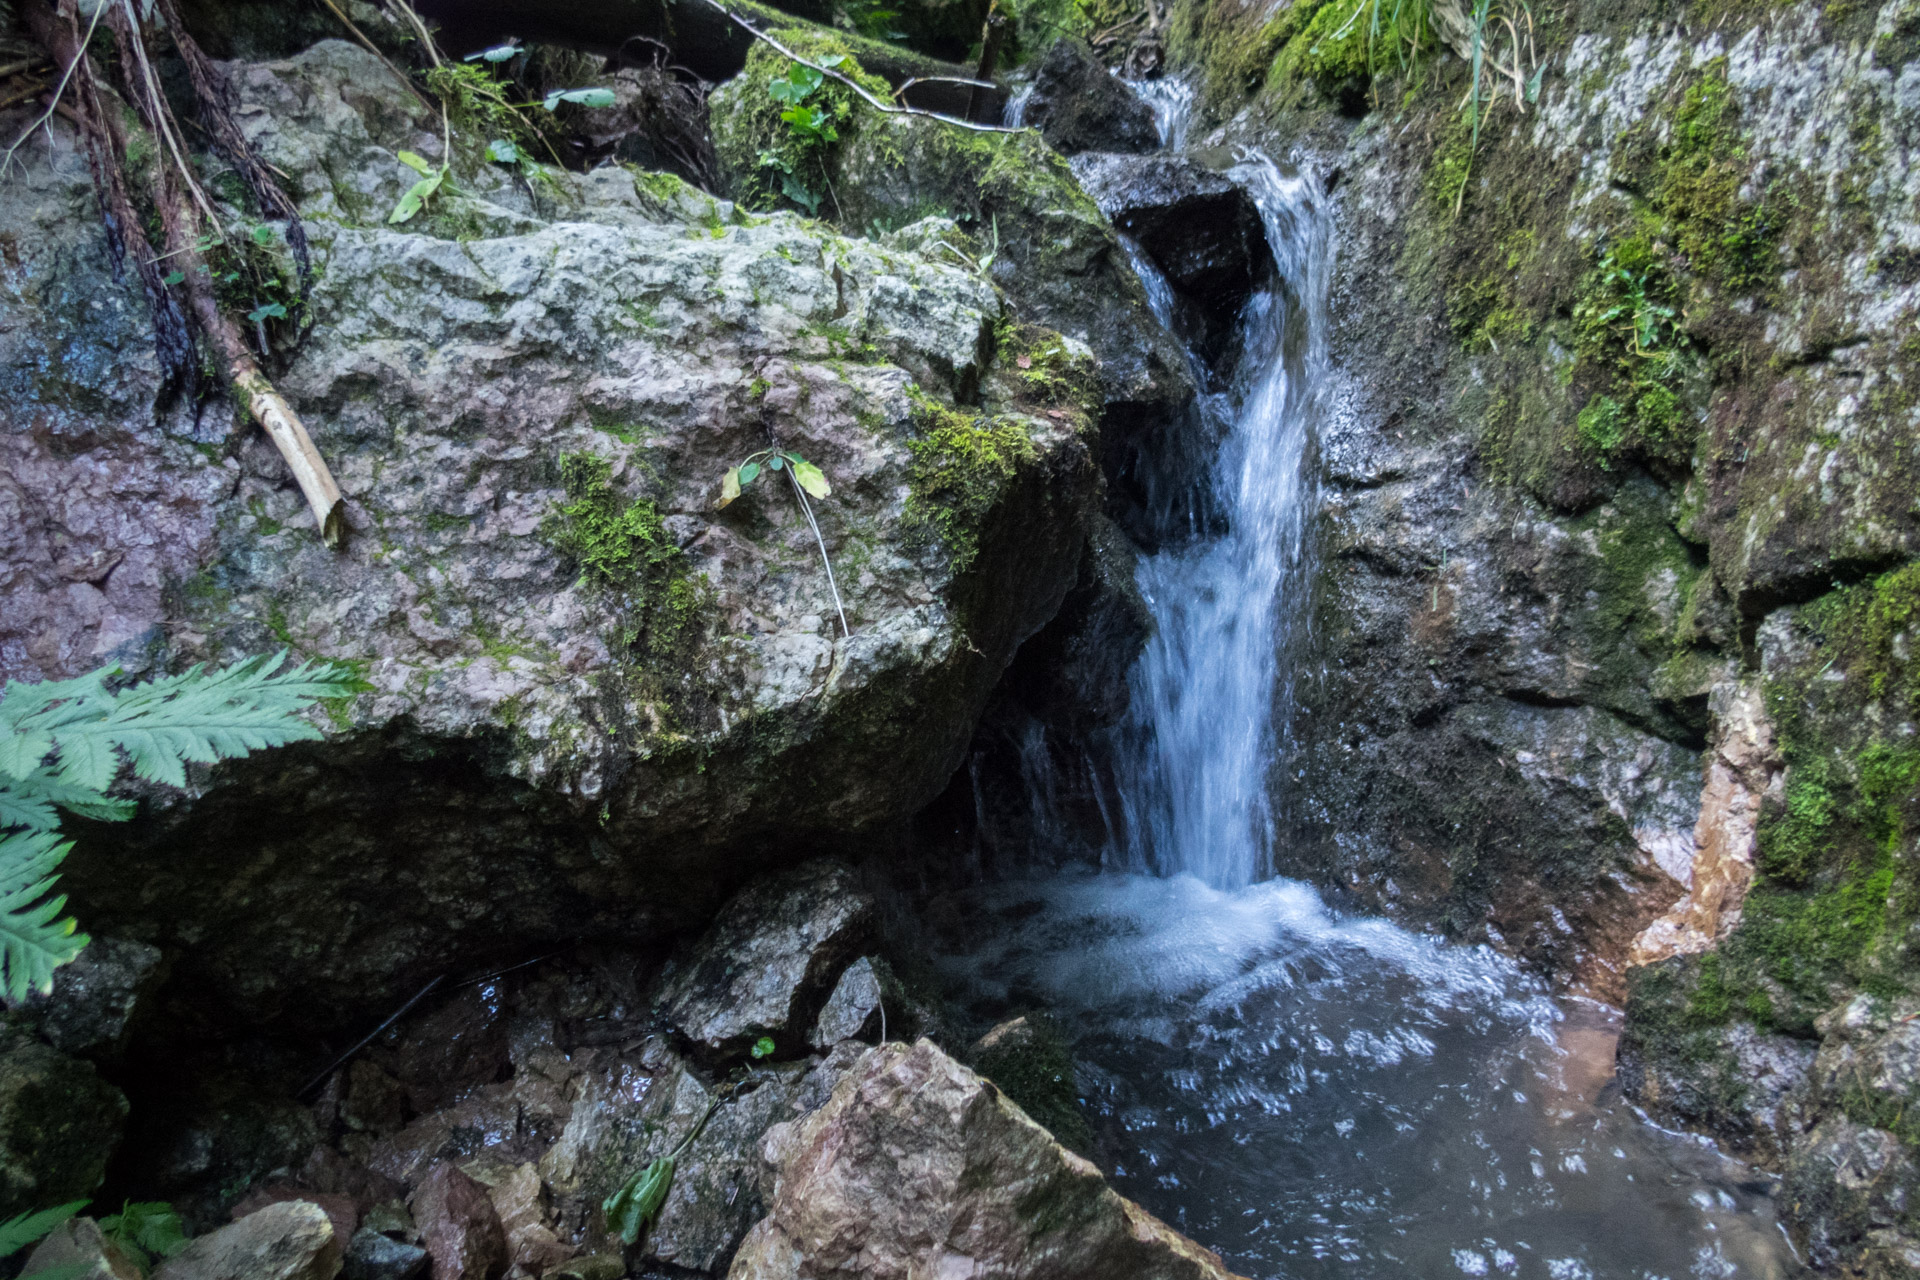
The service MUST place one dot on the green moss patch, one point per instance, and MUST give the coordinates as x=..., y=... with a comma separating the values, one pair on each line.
x=962, y=465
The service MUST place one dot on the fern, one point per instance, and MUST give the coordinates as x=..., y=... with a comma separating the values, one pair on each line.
x=62, y=743
x=17, y=1233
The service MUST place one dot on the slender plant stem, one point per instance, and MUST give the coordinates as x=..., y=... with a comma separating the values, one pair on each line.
x=807, y=509
x=58, y=91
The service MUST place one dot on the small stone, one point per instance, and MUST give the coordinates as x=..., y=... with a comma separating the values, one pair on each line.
x=78, y=1243
x=372, y=1256
x=459, y=1226
x=292, y=1240
x=853, y=1010
x=769, y=959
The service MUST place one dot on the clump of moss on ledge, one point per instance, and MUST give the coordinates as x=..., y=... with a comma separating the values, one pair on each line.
x=962, y=464
x=623, y=548
x=1030, y=1062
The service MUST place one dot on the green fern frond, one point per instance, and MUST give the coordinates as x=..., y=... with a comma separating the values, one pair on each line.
x=17, y=1233
x=62, y=743
x=34, y=938
x=198, y=716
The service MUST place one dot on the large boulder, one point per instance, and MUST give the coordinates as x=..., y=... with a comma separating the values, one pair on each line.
x=59, y=1123
x=596, y=704
x=770, y=960
x=1077, y=105
x=971, y=1187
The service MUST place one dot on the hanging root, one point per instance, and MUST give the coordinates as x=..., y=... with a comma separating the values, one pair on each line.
x=185, y=215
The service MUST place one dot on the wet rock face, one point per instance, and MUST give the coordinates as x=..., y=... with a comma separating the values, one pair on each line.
x=1197, y=225
x=549, y=749
x=92, y=1004
x=1077, y=105
x=769, y=961
x=972, y=1184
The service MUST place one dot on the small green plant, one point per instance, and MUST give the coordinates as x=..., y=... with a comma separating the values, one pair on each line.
x=29, y=1228
x=806, y=479
x=1632, y=311
x=762, y=1048
x=62, y=743
x=632, y=1208
x=810, y=131
x=417, y=196
x=146, y=1230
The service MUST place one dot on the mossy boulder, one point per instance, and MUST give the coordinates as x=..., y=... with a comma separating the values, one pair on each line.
x=59, y=1124
x=596, y=702
x=1050, y=249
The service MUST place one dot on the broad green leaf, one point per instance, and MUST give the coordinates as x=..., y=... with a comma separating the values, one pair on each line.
x=776, y=462
x=498, y=53
x=17, y=1233
x=263, y=235
x=749, y=473
x=834, y=59
x=730, y=486
x=584, y=97
x=173, y=277
x=415, y=199
x=417, y=163
x=811, y=479
x=268, y=311
x=502, y=151
x=635, y=1205
x=763, y=1047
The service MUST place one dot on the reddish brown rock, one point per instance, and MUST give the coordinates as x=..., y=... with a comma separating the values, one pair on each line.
x=459, y=1226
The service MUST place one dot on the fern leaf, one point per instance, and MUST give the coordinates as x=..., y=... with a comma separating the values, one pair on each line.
x=30, y=802
x=34, y=939
x=17, y=1233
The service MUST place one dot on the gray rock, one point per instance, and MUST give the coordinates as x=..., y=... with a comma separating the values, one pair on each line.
x=1848, y=1183
x=528, y=766
x=459, y=1226
x=1199, y=227
x=291, y=1240
x=93, y=998
x=78, y=1243
x=853, y=1010
x=962, y=1168
x=1077, y=105
x=59, y=1122
x=769, y=960
x=372, y=1256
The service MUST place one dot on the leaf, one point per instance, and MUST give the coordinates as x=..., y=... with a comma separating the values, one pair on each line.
x=501, y=151
x=1533, y=83
x=796, y=191
x=749, y=473
x=416, y=163
x=17, y=1233
x=415, y=199
x=635, y=1205
x=498, y=53
x=811, y=479
x=835, y=59
x=173, y=277
x=763, y=1046
x=263, y=235
x=729, y=486
x=147, y=1227
x=775, y=462
x=269, y=311
x=34, y=939
x=585, y=97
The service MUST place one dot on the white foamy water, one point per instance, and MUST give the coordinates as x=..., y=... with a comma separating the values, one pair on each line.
x=1171, y=99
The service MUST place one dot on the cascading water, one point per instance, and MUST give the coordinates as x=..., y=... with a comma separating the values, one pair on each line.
x=1309, y=1095
x=1209, y=697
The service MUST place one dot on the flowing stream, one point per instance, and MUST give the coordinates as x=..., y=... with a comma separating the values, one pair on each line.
x=1308, y=1094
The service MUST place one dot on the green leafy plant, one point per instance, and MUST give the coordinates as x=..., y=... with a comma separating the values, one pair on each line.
x=417, y=196
x=632, y=1209
x=29, y=1228
x=146, y=1230
x=62, y=743
x=810, y=131
x=762, y=1048
x=806, y=479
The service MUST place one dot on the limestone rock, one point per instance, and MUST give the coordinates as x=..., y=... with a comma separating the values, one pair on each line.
x=459, y=1226
x=372, y=1256
x=1078, y=106
x=93, y=998
x=972, y=1187
x=340, y=1209
x=1851, y=1183
x=853, y=1010
x=546, y=768
x=59, y=1122
x=80, y=1244
x=292, y=1240
x=769, y=960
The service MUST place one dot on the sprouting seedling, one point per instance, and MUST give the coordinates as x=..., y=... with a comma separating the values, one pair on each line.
x=806, y=479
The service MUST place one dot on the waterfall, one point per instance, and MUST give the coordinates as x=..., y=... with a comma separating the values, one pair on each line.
x=1210, y=696
x=1171, y=99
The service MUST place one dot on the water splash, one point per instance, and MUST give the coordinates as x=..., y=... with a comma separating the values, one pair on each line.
x=1014, y=114
x=1171, y=99
x=1210, y=696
